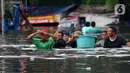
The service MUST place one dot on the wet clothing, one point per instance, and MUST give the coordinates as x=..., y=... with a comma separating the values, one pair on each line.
x=100, y=43
x=91, y=30
x=86, y=30
x=40, y=45
x=73, y=44
x=59, y=44
x=117, y=43
x=97, y=30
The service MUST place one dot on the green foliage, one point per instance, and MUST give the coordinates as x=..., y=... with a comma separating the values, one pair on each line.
x=91, y=2
x=101, y=2
x=88, y=2
x=95, y=2
x=128, y=4
x=110, y=4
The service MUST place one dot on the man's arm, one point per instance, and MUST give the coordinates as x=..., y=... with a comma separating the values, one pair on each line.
x=51, y=35
x=128, y=44
x=74, y=37
x=124, y=42
x=98, y=44
x=32, y=35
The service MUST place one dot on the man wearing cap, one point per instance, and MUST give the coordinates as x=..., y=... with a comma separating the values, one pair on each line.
x=42, y=41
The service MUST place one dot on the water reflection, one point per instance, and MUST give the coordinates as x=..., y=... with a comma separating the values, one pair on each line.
x=12, y=38
x=9, y=66
x=15, y=60
x=69, y=65
x=42, y=66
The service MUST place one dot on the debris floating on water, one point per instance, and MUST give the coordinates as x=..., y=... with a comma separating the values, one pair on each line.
x=32, y=46
x=32, y=58
x=87, y=68
x=54, y=58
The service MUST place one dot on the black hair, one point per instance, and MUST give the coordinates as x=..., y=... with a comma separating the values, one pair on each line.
x=93, y=24
x=113, y=29
x=61, y=32
x=87, y=24
x=66, y=33
x=104, y=31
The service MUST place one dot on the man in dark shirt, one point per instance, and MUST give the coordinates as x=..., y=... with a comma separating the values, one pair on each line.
x=73, y=40
x=59, y=42
x=114, y=41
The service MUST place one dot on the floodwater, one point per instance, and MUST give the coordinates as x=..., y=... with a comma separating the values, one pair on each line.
x=15, y=58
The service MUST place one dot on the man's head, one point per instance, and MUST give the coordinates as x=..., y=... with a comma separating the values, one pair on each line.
x=66, y=36
x=87, y=24
x=93, y=24
x=59, y=35
x=104, y=34
x=43, y=36
x=77, y=33
x=111, y=31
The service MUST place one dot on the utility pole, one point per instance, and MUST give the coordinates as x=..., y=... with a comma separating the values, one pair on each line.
x=2, y=16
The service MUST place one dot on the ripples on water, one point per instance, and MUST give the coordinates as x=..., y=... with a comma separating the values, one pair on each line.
x=15, y=60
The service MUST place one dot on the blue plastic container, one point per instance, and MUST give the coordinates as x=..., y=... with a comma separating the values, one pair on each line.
x=85, y=42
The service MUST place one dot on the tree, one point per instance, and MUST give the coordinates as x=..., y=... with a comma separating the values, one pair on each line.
x=110, y=4
x=101, y=2
x=91, y=2
x=95, y=2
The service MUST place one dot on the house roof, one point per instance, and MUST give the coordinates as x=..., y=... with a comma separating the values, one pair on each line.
x=46, y=10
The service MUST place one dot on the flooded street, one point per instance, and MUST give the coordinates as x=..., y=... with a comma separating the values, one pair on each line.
x=14, y=60
x=16, y=56
x=17, y=59
x=64, y=19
